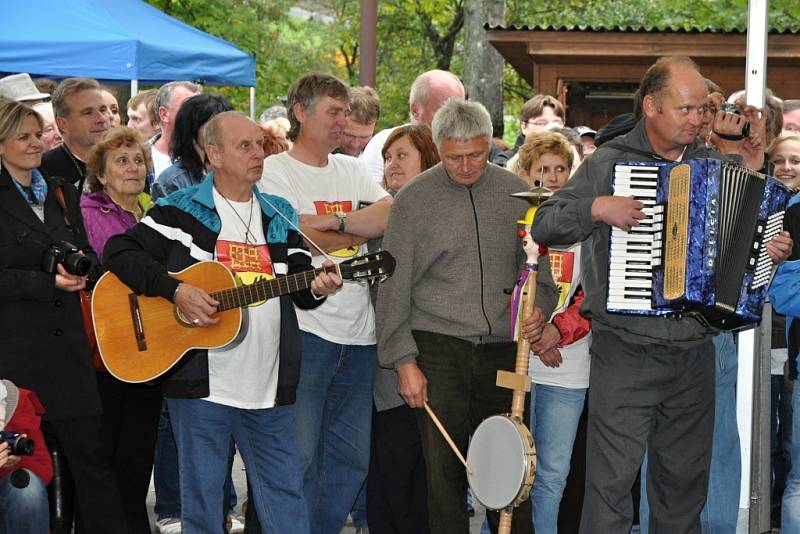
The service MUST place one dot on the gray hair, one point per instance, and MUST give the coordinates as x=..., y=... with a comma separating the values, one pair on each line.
x=67, y=88
x=165, y=94
x=461, y=120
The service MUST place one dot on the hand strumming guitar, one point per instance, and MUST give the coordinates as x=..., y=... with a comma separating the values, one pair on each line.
x=196, y=305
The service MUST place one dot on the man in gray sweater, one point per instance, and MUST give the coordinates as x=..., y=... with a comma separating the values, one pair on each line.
x=443, y=316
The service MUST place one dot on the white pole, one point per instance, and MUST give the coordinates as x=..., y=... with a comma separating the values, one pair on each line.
x=134, y=87
x=755, y=78
x=253, y=103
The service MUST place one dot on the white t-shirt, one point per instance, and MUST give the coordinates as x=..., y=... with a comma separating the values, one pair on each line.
x=372, y=156
x=347, y=317
x=245, y=373
x=576, y=361
x=160, y=161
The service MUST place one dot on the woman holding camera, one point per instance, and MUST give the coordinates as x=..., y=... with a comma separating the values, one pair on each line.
x=43, y=345
x=117, y=167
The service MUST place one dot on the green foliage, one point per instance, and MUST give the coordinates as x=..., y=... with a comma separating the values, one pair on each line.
x=417, y=35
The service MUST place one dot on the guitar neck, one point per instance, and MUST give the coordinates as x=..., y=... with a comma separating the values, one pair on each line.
x=239, y=297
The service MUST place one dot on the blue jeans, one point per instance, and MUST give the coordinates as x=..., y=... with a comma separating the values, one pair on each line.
x=721, y=511
x=790, y=512
x=203, y=433
x=333, y=421
x=165, y=472
x=554, y=422
x=24, y=509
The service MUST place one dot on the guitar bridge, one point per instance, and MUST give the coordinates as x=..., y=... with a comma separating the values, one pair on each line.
x=138, y=326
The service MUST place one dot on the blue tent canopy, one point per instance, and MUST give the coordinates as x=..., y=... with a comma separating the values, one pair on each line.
x=114, y=40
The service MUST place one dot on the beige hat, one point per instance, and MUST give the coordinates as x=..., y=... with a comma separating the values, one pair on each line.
x=21, y=88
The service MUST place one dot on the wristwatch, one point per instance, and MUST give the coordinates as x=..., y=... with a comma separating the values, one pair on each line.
x=342, y=216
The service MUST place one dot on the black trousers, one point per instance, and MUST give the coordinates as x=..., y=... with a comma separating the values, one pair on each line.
x=462, y=392
x=130, y=423
x=397, y=492
x=97, y=496
x=651, y=396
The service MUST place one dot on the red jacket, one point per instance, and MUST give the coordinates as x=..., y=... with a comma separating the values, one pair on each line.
x=26, y=420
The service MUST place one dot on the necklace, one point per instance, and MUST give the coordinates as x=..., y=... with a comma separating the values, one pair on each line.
x=247, y=233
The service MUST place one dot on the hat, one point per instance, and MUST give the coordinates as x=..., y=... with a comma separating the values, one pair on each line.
x=584, y=130
x=21, y=88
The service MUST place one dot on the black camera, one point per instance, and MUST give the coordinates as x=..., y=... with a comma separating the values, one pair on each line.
x=729, y=107
x=67, y=255
x=18, y=446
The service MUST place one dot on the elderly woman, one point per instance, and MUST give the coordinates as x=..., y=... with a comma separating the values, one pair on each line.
x=187, y=147
x=43, y=346
x=115, y=200
x=396, y=489
x=560, y=361
x=117, y=167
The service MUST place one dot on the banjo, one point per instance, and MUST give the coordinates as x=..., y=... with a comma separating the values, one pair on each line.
x=502, y=454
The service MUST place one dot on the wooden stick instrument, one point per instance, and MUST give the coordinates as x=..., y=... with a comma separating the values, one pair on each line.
x=447, y=437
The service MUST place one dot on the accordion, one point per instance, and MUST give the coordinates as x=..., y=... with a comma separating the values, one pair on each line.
x=701, y=249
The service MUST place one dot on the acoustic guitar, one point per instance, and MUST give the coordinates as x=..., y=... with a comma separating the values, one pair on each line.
x=140, y=338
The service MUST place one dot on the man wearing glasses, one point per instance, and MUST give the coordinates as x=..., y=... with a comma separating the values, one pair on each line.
x=537, y=114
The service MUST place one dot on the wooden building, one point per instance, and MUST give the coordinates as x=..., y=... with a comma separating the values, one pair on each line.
x=595, y=71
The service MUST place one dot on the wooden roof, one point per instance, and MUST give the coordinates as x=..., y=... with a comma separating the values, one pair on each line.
x=623, y=53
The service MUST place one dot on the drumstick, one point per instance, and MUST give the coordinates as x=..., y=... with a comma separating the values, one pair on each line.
x=447, y=438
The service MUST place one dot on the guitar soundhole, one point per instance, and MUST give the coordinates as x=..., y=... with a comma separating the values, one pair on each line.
x=181, y=318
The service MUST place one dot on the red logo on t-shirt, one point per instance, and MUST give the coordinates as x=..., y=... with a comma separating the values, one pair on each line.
x=325, y=207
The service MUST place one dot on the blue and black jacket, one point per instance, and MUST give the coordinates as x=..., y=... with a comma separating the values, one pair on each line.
x=181, y=230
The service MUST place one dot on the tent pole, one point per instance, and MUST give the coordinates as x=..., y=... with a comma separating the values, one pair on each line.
x=253, y=103
x=752, y=391
x=134, y=88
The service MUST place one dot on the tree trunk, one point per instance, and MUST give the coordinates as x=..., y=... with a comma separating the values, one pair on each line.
x=483, y=65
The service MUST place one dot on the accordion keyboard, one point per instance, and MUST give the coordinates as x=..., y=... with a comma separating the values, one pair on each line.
x=630, y=277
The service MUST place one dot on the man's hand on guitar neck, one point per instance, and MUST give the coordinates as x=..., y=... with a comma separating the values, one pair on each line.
x=326, y=283
x=196, y=305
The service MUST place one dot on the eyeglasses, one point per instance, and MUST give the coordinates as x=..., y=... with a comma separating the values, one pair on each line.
x=541, y=123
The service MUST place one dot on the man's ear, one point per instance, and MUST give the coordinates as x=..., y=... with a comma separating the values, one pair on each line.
x=61, y=123
x=299, y=112
x=214, y=155
x=162, y=114
x=415, y=112
x=649, y=105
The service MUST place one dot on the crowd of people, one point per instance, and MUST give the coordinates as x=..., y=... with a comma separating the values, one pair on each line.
x=324, y=393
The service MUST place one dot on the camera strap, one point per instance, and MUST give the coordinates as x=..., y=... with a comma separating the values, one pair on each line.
x=59, y=192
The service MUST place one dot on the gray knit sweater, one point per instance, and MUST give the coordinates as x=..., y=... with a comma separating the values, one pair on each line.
x=457, y=249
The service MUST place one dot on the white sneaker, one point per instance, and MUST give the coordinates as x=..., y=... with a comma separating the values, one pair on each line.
x=169, y=525
x=234, y=525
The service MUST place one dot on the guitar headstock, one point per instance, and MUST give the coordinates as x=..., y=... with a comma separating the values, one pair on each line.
x=374, y=267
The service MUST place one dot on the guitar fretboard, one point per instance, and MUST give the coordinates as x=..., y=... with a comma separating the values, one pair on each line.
x=238, y=297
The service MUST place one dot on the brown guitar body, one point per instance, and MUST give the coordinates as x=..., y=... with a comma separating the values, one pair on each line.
x=164, y=338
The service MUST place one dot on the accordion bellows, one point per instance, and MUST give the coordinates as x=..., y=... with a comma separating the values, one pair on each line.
x=701, y=249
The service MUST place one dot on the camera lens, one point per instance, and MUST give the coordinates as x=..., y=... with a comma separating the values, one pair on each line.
x=77, y=264
x=22, y=447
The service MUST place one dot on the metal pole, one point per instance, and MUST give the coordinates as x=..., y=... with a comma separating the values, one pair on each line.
x=368, y=42
x=134, y=88
x=750, y=380
x=253, y=103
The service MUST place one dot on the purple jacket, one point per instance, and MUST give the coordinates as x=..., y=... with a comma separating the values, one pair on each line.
x=103, y=218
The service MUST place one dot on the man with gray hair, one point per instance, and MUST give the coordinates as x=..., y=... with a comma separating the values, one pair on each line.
x=82, y=118
x=169, y=100
x=427, y=94
x=443, y=317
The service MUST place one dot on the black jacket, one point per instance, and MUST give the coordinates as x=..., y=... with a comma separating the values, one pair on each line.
x=182, y=230
x=43, y=346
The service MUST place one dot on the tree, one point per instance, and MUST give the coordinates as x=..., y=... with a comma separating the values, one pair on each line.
x=483, y=65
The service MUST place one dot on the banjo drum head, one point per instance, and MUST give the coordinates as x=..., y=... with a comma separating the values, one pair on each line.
x=499, y=460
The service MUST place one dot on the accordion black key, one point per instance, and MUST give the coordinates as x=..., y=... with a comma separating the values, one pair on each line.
x=700, y=250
